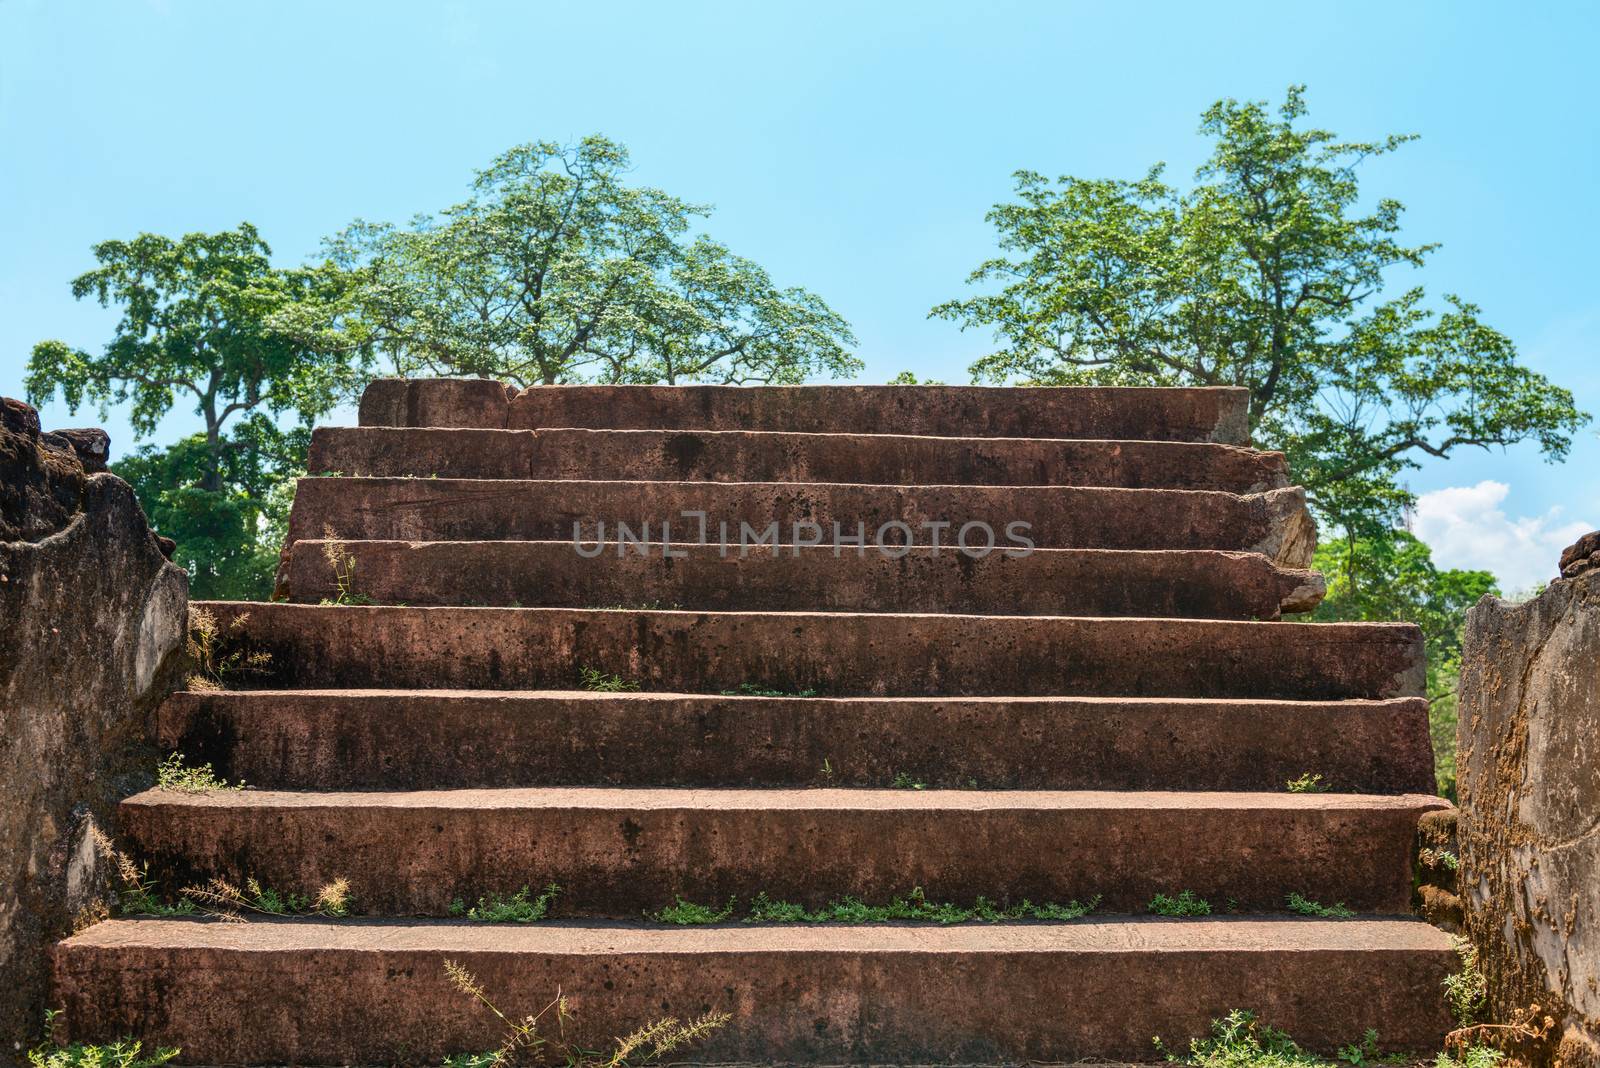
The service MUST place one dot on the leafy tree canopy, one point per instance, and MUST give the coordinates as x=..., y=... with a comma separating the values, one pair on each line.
x=1391, y=577
x=197, y=324
x=556, y=270
x=1267, y=273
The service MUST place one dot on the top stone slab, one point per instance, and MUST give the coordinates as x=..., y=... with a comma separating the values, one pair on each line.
x=1128, y=413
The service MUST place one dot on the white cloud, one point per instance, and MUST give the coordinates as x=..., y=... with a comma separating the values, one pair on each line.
x=1466, y=527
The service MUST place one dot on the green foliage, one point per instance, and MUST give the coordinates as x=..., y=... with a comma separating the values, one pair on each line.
x=603, y=682
x=914, y=908
x=556, y=270
x=750, y=689
x=906, y=781
x=202, y=320
x=689, y=914
x=228, y=538
x=172, y=774
x=1467, y=991
x=1390, y=576
x=1268, y=274
x=520, y=907
x=1471, y=1057
x=1185, y=904
x=909, y=378
x=125, y=1053
x=219, y=897
x=1240, y=1040
x=1308, y=783
x=1307, y=907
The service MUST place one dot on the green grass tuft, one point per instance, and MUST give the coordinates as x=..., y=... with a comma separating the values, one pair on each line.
x=520, y=907
x=1307, y=907
x=1187, y=903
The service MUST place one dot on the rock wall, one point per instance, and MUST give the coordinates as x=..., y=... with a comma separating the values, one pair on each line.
x=1529, y=792
x=91, y=629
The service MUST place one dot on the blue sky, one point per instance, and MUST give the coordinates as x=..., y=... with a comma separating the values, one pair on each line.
x=850, y=148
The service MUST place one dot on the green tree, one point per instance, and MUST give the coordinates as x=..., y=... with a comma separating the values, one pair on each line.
x=556, y=270
x=200, y=322
x=1391, y=577
x=1268, y=274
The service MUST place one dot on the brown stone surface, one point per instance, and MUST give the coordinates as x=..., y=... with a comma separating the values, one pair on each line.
x=1582, y=555
x=90, y=617
x=766, y=456
x=838, y=654
x=1098, y=582
x=305, y=992
x=620, y=852
x=1276, y=523
x=1218, y=414
x=1529, y=783
x=396, y=739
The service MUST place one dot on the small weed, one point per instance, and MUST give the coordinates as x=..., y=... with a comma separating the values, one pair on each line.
x=520, y=907
x=1467, y=991
x=904, y=781
x=171, y=774
x=1364, y=1054
x=126, y=1053
x=1441, y=858
x=1307, y=907
x=916, y=907
x=750, y=689
x=689, y=914
x=343, y=563
x=827, y=769
x=205, y=644
x=598, y=681
x=1240, y=1040
x=524, y=1042
x=136, y=894
x=1470, y=1057
x=224, y=900
x=1185, y=904
x=1309, y=783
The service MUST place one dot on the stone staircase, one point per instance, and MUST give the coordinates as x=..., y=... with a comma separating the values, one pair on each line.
x=1113, y=715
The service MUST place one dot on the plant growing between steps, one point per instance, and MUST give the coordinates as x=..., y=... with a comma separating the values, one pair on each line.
x=136, y=893
x=124, y=1053
x=520, y=907
x=1306, y=907
x=597, y=681
x=1241, y=1040
x=750, y=689
x=224, y=900
x=689, y=914
x=172, y=774
x=213, y=658
x=1308, y=783
x=343, y=563
x=525, y=1043
x=1187, y=903
x=916, y=907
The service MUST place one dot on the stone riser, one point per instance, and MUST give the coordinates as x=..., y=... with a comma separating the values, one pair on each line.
x=618, y=853
x=837, y=654
x=393, y=740
x=320, y=993
x=758, y=456
x=1276, y=524
x=1206, y=415
x=1191, y=584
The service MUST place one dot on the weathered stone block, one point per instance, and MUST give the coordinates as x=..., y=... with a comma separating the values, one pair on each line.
x=1530, y=802
x=91, y=621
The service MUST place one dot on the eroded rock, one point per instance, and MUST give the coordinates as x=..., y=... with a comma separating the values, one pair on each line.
x=91, y=624
x=1529, y=790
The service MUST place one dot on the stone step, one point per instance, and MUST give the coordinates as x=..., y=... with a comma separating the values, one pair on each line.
x=1276, y=524
x=623, y=852
x=838, y=654
x=767, y=456
x=403, y=739
x=1204, y=584
x=1133, y=413
x=324, y=992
